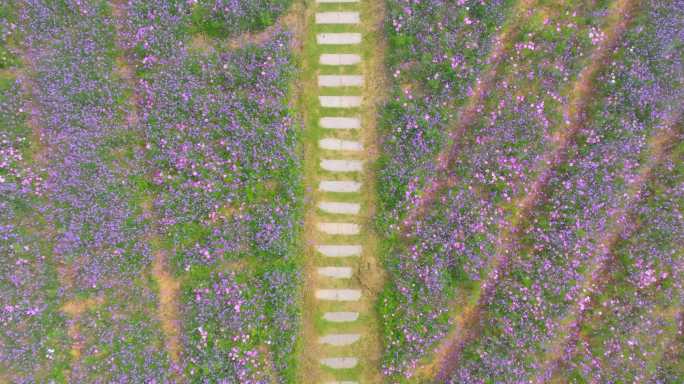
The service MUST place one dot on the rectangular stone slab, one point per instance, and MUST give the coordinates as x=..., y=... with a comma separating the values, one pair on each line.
x=339, y=208
x=339, y=59
x=338, y=294
x=339, y=186
x=336, y=165
x=341, y=38
x=333, y=144
x=337, y=18
x=339, y=339
x=335, y=272
x=342, y=382
x=340, y=101
x=340, y=81
x=341, y=317
x=347, y=229
x=340, y=362
x=339, y=250
x=340, y=122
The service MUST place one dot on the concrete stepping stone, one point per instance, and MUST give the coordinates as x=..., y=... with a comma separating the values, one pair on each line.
x=336, y=272
x=346, y=229
x=337, y=1
x=339, y=250
x=341, y=382
x=340, y=59
x=340, y=339
x=340, y=362
x=340, y=101
x=342, y=165
x=341, y=317
x=332, y=144
x=341, y=38
x=340, y=80
x=337, y=18
x=340, y=123
x=339, y=186
x=339, y=208
x=338, y=294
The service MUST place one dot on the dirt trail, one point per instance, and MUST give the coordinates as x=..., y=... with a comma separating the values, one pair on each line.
x=74, y=309
x=467, y=322
x=168, y=308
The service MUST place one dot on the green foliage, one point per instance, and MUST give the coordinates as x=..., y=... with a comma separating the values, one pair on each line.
x=7, y=34
x=224, y=20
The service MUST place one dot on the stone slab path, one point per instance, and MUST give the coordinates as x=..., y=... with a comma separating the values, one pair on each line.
x=343, y=341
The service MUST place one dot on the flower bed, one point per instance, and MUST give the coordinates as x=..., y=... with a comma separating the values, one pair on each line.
x=192, y=155
x=450, y=247
x=231, y=317
x=632, y=332
x=92, y=210
x=32, y=341
x=221, y=144
x=636, y=95
x=436, y=51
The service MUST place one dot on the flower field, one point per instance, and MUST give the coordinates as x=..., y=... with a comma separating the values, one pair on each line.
x=544, y=189
x=163, y=209
x=151, y=186
x=434, y=58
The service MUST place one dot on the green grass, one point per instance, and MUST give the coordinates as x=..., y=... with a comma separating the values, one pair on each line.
x=220, y=24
